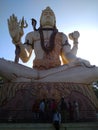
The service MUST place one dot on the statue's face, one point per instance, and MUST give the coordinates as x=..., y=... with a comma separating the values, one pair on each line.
x=47, y=19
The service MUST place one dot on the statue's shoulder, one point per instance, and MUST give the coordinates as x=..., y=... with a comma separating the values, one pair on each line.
x=29, y=34
x=33, y=34
x=62, y=35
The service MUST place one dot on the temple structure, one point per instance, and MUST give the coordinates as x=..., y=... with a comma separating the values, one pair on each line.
x=51, y=77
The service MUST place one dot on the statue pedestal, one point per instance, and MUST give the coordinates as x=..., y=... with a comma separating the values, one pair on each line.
x=17, y=99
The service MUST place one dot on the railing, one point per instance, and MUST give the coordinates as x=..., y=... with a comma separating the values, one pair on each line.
x=27, y=116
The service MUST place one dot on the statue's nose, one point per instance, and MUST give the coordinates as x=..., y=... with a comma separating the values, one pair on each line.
x=48, y=17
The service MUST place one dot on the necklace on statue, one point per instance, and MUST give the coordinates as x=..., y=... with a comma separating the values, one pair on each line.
x=47, y=45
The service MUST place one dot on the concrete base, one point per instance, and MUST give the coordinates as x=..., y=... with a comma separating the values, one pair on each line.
x=17, y=99
x=66, y=126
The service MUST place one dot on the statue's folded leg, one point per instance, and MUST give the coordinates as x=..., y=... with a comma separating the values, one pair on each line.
x=13, y=72
x=17, y=73
x=77, y=73
x=71, y=73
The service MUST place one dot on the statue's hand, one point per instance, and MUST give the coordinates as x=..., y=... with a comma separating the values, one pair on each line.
x=74, y=36
x=16, y=28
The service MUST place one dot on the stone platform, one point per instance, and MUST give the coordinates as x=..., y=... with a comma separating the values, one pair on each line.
x=67, y=126
x=17, y=99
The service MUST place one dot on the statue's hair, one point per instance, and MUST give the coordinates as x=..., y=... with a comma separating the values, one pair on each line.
x=48, y=9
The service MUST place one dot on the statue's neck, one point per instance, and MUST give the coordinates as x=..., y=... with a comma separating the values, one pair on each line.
x=47, y=29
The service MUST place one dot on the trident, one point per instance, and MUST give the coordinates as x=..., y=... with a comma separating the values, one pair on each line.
x=23, y=23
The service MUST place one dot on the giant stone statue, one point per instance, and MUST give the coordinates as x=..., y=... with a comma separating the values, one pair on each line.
x=48, y=44
x=49, y=71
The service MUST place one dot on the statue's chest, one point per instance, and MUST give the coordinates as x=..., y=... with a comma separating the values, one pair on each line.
x=46, y=35
x=46, y=40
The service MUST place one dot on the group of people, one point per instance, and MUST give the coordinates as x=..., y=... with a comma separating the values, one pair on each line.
x=45, y=111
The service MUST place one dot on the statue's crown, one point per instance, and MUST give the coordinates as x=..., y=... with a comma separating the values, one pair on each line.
x=48, y=9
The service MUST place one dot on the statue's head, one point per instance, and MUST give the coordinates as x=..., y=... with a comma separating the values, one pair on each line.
x=47, y=18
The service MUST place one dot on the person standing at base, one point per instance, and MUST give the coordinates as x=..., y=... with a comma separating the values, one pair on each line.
x=63, y=110
x=71, y=111
x=42, y=110
x=76, y=111
x=56, y=120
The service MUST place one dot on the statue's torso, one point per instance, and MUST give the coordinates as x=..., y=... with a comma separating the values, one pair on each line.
x=42, y=59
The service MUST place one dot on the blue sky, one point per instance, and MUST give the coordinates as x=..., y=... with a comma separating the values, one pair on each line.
x=71, y=15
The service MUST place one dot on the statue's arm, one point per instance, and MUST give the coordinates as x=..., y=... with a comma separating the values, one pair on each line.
x=16, y=27
x=26, y=48
x=66, y=48
x=74, y=36
x=16, y=32
x=68, y=54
